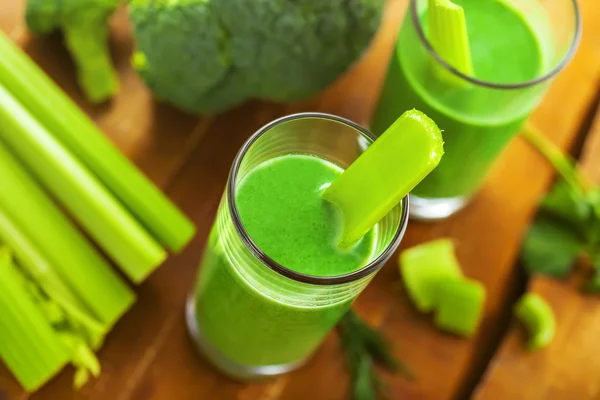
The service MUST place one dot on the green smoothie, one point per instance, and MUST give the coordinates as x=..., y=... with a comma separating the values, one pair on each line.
x=279, y=203
x=477, y=123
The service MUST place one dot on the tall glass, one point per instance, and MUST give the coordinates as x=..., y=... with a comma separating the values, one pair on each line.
x=478, y=117
x=249, y=315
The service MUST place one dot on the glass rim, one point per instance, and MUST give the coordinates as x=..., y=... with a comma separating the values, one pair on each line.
x=267, y=261
x=520, y=85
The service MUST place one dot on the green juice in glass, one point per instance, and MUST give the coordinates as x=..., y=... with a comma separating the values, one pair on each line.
x=239, y=315
x=477, y=121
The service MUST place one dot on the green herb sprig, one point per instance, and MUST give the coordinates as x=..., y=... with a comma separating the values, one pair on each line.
x=567, y=226
x=365, y=347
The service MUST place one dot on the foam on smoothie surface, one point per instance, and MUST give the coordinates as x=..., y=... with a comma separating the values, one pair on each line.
x=280, y=205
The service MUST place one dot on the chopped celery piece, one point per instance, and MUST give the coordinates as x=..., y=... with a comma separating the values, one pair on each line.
x=69, y=125
x=384, y=174
x=449, y=38
x=537, y=316
x=103, y=217
x=425, y=267
x=68, y=253
x=459, y=306
x=29, y=346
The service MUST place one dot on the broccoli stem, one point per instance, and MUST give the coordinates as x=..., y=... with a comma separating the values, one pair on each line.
x=88, y=44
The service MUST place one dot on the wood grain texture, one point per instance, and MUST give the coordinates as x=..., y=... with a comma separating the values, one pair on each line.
x=148, y=355
x=568, y=368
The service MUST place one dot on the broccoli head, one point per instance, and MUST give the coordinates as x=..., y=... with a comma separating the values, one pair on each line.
x=85, y=30
x=206, y=56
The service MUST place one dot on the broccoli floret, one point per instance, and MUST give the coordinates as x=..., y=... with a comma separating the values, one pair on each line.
x=85, y=28
x=207, y=56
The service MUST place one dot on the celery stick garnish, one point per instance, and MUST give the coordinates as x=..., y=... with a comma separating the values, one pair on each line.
x=385, y=173
x=449, y=38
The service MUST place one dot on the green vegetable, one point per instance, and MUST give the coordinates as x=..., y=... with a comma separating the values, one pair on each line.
x=104, y=218
x=537, y=316
x=85, y=29
x=40, y=270
x=434, y=282
x=29, y=347
x=74, y=130
x=567, y=226
x=425, y=267
x=66, y=334
x=206, y=56
x=52, y=249
x=550, y=248
x=449, y=38
x=385, y=173
x=364, y=347
x=459, y=306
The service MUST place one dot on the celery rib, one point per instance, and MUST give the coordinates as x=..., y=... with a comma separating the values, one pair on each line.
x=72, y=258
x=379, y=179
x=40, y=270
x=31, y=260
x=29, y=346
x=34, y=89
x=103, y=217
x=449, y=38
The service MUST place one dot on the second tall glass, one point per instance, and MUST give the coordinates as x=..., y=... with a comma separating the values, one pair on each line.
x=478, y=114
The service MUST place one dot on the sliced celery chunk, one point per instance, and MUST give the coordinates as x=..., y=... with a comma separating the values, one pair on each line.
x=425, y=267
x=538, y=318
x=459, y=306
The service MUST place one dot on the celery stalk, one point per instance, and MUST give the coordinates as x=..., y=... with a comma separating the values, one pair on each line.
x=385, y=173
x=103, y=217
x=40, y=270
x=449, y=38
x=74, y=337
x=72, y=258
x=29, y=346
x=69, y=125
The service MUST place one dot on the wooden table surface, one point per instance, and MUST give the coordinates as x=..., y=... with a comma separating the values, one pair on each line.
x=148, y=355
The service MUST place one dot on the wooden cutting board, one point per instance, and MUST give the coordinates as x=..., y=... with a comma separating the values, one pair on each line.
x=148, y=355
